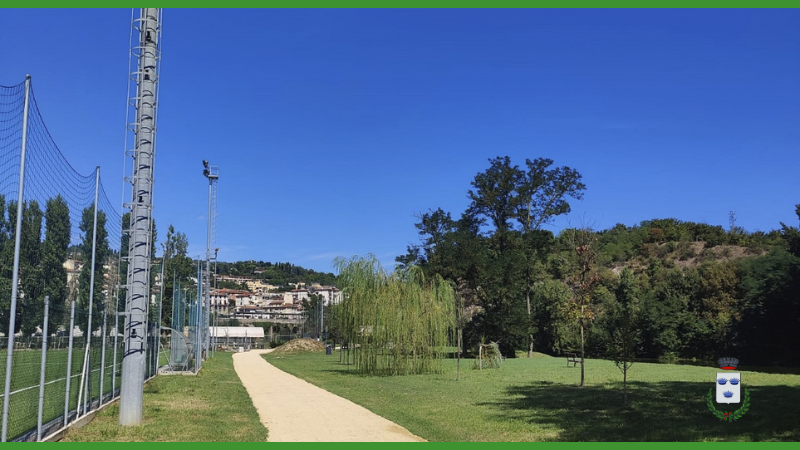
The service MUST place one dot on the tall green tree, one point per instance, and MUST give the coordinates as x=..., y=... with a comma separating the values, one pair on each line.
x=552, y=326
x=178, y=267
x=716, y=306
x=494, y=193
x=670, y=324
x=542, y=194
x=55, y=248
x=6, y=266
x=532, y=197
x=494, y=199
x=30, y=270
x=102, y=252
x=501, y=317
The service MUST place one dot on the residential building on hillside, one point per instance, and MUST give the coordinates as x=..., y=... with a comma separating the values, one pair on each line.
x=330, y=295
x=299, y=294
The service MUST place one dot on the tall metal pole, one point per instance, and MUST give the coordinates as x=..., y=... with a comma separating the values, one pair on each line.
x=138, y=283
x=216, y=307
x=42, y=368
x=207, y=281
x=69, y=361
x=89, y=327
x=210, y=172
x=116, y=345
x=198, y=318
x=103, y=357
x=15, y=277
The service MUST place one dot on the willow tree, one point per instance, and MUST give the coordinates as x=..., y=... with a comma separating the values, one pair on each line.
x=395, y=323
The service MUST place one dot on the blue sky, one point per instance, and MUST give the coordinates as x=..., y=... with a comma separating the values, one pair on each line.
x=333, y=128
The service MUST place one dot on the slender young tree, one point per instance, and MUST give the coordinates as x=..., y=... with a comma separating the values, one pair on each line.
x=622, y=325
x=582, y=282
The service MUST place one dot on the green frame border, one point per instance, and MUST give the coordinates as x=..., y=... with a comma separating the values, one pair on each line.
x=427, y=4
x=654, y=4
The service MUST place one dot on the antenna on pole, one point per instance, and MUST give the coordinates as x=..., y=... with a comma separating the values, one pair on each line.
x=732, y=220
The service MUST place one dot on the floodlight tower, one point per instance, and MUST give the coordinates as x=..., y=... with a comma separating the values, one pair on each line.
x=212, y=173
x=146, y=54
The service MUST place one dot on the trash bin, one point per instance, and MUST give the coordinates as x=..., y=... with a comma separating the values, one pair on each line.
x=328, y=349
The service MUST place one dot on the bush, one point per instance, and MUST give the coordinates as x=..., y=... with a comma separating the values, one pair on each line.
x=491, y=357
x=686, y=251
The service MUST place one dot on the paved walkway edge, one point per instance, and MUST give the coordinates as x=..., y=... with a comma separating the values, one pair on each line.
x=294, y=410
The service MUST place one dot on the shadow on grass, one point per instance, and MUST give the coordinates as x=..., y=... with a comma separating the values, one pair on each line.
x=663, y=411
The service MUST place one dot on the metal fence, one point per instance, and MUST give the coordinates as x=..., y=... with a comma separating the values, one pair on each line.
x=61, y=253
x=185, y=342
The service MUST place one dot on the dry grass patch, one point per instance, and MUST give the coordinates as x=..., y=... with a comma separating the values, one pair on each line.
x=300, y=345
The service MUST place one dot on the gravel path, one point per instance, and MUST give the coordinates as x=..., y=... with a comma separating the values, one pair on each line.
x=294, y=410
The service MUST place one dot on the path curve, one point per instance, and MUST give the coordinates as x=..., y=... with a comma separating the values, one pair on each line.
x=294, y=410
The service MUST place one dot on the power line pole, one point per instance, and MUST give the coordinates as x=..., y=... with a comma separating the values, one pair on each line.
x=148, y=25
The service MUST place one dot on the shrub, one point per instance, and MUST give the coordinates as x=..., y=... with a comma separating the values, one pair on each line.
x=489, y=356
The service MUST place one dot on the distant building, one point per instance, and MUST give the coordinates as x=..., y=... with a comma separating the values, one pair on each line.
x=330, y=295
x=299, y=294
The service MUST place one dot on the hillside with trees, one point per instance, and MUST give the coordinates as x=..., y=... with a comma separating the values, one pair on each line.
x=681, y=289
x=279, y=273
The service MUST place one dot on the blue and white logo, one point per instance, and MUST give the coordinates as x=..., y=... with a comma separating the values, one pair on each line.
x=729, y=384
x=729, y=387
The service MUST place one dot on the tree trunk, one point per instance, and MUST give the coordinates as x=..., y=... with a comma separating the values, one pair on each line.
x=530, y=335
x=625, y=375
x=625, y=383
x=528, y=302
x=458, y=364
x=582, y=355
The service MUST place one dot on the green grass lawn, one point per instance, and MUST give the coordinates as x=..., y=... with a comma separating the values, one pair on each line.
x=25, y=376
x=538, y=400
x=212, y=406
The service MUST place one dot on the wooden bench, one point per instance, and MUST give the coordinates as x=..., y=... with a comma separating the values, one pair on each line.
x=573, y=358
